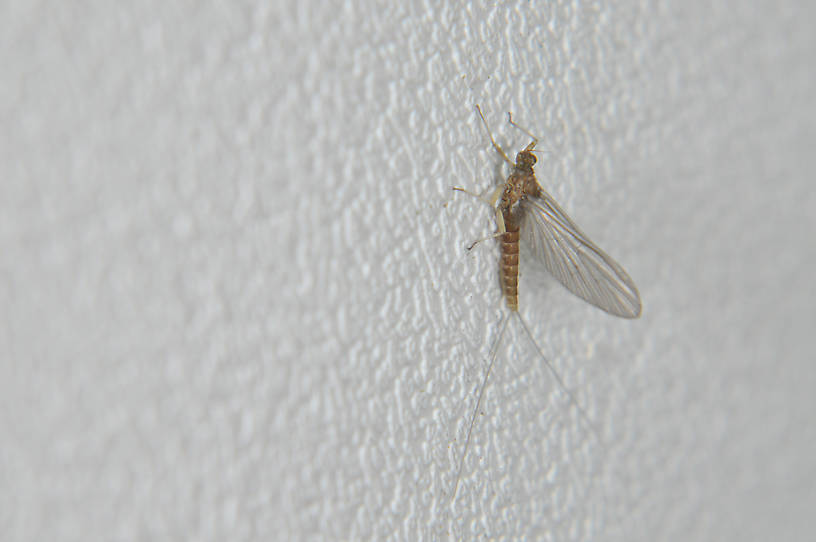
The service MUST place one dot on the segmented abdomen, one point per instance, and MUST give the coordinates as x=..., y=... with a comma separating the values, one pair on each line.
x=509, y=265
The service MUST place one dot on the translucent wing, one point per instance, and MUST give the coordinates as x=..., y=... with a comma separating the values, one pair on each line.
x=556, y=241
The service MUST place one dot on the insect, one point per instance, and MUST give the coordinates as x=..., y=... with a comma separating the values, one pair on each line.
x=526, y=213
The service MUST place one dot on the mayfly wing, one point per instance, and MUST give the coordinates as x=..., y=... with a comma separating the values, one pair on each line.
x=555, y=241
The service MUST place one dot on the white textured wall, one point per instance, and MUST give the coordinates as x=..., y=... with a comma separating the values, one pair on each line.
x=235, y=302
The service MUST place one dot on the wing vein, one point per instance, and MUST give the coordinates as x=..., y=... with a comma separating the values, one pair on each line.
x=567, y=253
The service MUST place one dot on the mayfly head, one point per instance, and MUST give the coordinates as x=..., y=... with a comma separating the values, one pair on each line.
x=525, y=160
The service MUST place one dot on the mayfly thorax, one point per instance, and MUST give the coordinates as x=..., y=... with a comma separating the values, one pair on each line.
x=528, y=215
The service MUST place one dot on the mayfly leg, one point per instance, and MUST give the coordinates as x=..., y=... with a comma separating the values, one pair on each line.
x=534, y=141
x=494, y=197
x=491, y=201
x=493, y=141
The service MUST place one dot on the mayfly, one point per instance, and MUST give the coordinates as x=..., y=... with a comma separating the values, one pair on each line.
x=526, y=213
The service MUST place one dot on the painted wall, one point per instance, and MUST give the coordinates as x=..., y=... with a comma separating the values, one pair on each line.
x=236, y=304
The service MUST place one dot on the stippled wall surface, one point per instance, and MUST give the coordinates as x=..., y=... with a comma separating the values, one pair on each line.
x=236, y=304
